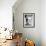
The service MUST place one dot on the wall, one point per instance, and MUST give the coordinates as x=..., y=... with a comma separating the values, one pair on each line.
x=6, y=13
x=29, y=6
x=43, y=22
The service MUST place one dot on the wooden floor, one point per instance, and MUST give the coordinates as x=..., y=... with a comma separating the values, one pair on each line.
x=9, y=43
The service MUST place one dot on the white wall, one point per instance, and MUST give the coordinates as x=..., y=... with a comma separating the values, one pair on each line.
x=6, y=13
x=29, y=6
x=43, y=22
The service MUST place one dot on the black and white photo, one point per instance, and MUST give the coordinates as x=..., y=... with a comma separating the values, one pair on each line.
x=29, y=20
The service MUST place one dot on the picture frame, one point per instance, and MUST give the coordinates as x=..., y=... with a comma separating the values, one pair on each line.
x=28, y=20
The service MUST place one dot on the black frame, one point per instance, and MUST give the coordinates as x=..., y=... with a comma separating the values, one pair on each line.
x=33, y=17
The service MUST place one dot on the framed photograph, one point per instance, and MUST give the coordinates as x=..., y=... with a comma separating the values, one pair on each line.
x=29, y=20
